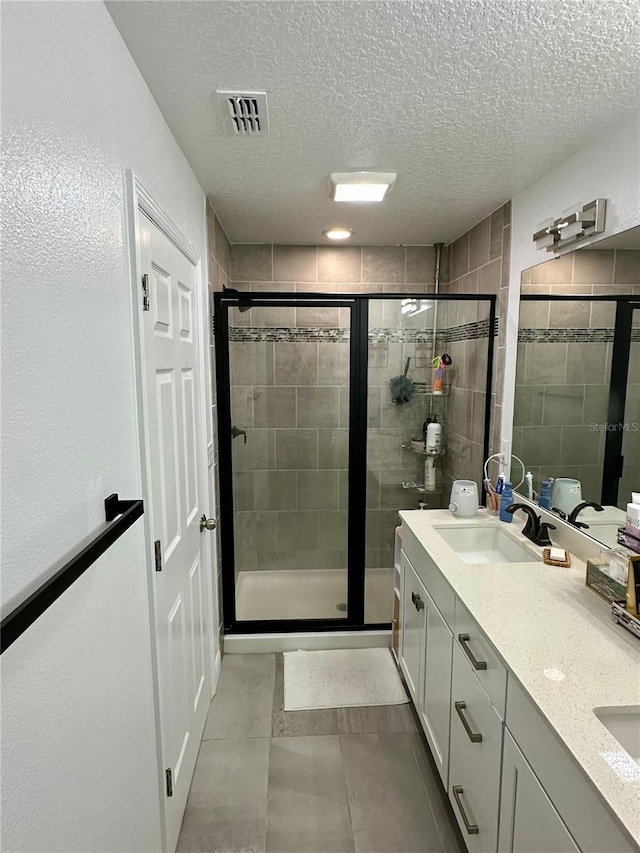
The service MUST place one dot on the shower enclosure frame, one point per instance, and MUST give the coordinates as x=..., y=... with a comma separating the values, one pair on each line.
x=358, y=304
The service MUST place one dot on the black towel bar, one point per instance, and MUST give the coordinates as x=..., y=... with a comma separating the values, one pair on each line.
x=119, y=516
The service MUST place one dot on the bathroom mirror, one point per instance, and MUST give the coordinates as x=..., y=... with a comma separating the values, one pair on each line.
x=577, y=394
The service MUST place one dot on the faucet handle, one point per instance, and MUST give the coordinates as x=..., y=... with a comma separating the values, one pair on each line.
x=543, y=533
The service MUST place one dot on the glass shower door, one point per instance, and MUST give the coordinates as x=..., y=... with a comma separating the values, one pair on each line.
x=289, y=406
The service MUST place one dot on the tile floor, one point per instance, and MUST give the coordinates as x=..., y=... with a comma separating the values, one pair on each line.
x=339, y=780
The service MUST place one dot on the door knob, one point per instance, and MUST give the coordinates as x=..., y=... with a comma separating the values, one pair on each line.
x=207, y=523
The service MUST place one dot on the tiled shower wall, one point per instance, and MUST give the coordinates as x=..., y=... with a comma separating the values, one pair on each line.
x=563, y=369
x=479, y=264
x=291, y=480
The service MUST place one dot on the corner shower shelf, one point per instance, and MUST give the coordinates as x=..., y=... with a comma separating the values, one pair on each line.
x=445, y=393
x=419, y=487
x=421, y=450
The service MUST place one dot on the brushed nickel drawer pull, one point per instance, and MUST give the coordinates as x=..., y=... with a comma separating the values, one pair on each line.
x=476, y=664
x=474, y=737
x=418, y=603
x=472, y=828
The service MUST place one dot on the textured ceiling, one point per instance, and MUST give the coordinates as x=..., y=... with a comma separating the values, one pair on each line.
x=469, y=102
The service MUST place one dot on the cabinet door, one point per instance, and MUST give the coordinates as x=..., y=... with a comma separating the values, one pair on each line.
x=436, y=686
x=414, y=610
x=528, y=821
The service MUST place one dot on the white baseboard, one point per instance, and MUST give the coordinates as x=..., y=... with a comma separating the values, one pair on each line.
x=242, y=644
x=216, y=672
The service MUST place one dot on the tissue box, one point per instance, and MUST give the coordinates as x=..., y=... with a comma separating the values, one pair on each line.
x=603, y=584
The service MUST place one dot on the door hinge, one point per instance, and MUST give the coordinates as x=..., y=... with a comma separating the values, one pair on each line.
x=146, y=301
x=169, y=779
x=157, y=547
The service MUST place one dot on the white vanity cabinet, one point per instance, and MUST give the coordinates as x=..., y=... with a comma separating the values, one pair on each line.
x=529, y=822
x=513, y=785
x=425, y=660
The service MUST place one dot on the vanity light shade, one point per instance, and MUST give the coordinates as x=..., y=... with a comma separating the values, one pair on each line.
x=574, y=225
x=360, y=186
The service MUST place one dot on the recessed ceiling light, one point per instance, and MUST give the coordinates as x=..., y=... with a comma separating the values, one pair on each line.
x=360, y=186
x=338, y=233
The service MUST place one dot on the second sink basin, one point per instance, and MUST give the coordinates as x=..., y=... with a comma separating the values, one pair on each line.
x=485, y=544
x=624, y=725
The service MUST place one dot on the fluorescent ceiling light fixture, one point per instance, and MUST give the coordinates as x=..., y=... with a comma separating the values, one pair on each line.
x=338, y=233
x=360, y=186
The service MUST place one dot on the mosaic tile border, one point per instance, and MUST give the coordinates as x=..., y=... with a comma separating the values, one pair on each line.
x=260, y=334
x=564, y=336
x=265, y=334
x=471, y=331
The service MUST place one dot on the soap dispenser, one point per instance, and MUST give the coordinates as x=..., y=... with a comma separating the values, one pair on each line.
x=506, y=499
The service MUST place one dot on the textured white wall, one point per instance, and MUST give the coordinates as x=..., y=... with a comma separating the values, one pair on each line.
x=607, y=168
x=79, y=762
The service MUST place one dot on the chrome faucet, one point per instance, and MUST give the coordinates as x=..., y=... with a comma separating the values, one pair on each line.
x=573, y=518
x=534, y=530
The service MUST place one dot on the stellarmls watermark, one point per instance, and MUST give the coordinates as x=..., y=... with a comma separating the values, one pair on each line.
x=627, y=426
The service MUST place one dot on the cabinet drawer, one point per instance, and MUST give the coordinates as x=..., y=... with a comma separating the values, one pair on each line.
x=476, y=740
x=478, y=826
x=481, y=656
x=430, y=575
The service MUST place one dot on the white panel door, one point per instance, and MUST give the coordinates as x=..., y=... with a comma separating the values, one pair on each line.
x=173, y=374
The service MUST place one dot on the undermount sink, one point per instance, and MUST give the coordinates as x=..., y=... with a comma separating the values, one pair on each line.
x=485, y=544
x=624, y=725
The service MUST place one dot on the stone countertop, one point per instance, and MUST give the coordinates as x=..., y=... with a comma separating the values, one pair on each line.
x=558, y=638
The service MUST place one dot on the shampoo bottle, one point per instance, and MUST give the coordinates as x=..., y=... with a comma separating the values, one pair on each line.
x=434, y=437
x=506, y=499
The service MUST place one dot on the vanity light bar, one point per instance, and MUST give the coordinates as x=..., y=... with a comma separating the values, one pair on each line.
x=575, y=226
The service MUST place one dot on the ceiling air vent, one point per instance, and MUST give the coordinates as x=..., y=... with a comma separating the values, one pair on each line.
x=244, y=113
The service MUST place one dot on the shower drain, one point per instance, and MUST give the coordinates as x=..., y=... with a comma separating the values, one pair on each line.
x=342, y=607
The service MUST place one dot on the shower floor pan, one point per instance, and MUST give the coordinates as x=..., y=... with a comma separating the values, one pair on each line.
x=310, y=594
